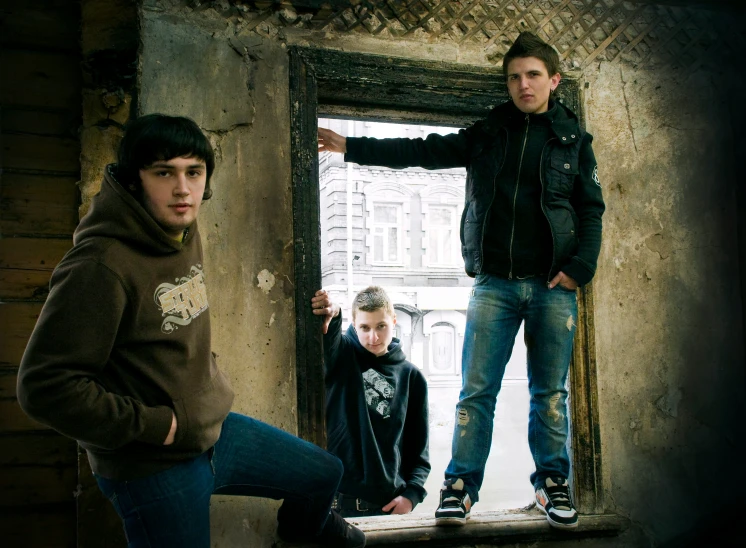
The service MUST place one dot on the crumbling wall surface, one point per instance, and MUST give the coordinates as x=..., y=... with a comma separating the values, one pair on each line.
x=669, y=331
x=237, y=93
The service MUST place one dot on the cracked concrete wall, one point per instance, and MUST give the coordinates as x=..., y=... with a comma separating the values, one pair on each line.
x=668, y=319
x=668, y=298
x=246, y=226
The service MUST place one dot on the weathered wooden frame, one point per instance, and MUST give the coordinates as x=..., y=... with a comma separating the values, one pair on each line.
x=375, y=87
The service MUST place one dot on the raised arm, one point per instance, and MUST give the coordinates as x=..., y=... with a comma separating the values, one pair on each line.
x=70, y=346
x=331, y=327
x=433, y=152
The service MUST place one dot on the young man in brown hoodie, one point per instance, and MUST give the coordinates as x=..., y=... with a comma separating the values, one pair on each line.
x=120, y=360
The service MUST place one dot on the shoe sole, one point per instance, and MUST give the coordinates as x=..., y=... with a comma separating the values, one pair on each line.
x=556, y=524
x=451, y=521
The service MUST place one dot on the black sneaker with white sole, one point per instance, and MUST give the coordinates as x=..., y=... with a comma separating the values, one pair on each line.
x=455, y=504
x=337, y=533
x=553, y=498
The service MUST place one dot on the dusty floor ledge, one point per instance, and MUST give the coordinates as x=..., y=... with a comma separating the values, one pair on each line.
x=531, y=524
x=508, y=526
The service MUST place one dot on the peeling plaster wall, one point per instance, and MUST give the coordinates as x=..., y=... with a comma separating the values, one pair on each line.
x=668, y=304
x=246, y=227
x=669, y=330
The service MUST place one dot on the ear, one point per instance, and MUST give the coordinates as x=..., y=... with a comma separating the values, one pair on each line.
x=555, y=80
x=394, y=319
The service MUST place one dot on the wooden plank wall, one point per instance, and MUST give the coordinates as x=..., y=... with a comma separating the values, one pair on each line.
x=40, y=94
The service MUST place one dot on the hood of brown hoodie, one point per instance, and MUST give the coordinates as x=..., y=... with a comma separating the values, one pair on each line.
x=116, y=213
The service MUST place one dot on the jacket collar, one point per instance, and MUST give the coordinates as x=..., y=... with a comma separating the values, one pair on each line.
x=563, y=122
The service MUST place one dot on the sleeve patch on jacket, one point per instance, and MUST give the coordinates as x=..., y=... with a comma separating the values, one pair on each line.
x=595, y=175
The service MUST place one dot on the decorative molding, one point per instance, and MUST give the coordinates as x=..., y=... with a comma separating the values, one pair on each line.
x=432, y=192
x=452, y=317
x=383, y=187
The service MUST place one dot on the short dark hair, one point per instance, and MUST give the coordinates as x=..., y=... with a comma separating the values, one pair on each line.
x=154, y=137
x=529, y=45
x=370, y=299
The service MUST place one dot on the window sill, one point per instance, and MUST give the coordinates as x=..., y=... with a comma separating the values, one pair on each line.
x=510, y=525
x=500, y=527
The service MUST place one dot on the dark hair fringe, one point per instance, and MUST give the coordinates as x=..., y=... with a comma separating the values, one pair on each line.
x=155, y=137
x=529, y=44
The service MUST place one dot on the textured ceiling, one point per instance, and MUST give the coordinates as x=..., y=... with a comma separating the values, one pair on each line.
x=583, y=31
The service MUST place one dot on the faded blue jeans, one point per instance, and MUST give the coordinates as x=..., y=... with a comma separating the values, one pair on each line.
x=496, y=309
x=251, y=458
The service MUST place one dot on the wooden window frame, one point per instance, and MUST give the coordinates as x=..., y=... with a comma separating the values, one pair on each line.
x=381, y=88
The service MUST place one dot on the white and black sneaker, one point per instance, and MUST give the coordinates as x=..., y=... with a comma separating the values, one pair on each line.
x=455, y=504
x=554, y=500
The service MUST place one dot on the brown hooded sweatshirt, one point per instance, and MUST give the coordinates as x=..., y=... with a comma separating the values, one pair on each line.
x=123, y=341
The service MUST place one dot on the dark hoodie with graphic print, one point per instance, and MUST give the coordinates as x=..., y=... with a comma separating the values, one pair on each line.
x=123, y=341
x=376, y=418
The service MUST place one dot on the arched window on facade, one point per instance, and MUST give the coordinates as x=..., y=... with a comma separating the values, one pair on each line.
x=443, y=349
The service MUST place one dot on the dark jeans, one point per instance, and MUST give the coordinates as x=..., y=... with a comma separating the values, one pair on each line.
x=496, y=309
x=251, y=458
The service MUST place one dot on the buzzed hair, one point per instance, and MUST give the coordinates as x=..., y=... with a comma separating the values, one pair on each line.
x=529, y=45
x=370, y=299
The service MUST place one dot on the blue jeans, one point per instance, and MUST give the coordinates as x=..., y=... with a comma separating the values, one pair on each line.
x=496, y=309
x=251, y=458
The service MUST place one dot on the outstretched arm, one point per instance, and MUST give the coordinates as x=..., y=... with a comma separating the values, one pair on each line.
x=433, y=152
x=331, y=142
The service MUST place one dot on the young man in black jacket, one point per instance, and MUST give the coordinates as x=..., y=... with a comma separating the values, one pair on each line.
x=531, y=235
x=376, y=408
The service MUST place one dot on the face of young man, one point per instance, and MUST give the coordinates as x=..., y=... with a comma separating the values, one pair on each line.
x=529, y=84
x=375, y=330
x=172, y=192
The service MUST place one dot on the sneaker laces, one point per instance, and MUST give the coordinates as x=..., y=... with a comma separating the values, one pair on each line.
x=559, y=493
x=452, y=492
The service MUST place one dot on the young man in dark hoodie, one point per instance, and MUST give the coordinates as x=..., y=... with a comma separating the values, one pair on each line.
x=376, y=408
x=120, y=360
x=531, y=235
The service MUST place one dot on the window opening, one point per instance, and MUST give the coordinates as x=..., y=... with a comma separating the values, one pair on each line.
x=400, y=229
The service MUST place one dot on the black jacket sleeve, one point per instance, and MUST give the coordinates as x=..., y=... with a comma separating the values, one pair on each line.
x=415, y=467
x=588, y=203
x=333, y=344
x=433, y=152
